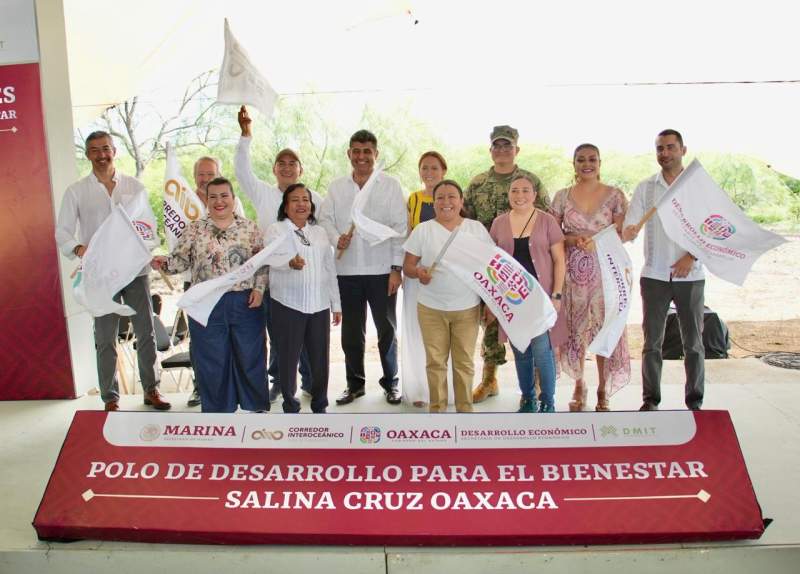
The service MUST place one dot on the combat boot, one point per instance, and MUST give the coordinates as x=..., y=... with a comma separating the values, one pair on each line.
x=488, y=386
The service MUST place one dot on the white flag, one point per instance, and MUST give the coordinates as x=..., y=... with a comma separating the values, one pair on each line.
x=116, y=254
x=372, y=231
x=514, y=297
x=239, y=80
x=700, y=217
x=616, y=272
x=181, y=204
x=201, y=298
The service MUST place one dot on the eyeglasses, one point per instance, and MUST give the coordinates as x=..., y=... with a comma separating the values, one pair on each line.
x=303, y=239
x=502, y=147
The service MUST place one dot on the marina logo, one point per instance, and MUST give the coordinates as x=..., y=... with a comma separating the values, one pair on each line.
x=199, y=430
x=370, y=435
x=717, y=227
x=150, y=432
x=264, y=434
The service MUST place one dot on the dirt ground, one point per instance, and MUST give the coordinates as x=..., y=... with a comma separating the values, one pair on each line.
x=748, y=338
x=763, y=315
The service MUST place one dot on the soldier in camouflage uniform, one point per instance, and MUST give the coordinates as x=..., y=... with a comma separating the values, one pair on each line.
x=485, y=198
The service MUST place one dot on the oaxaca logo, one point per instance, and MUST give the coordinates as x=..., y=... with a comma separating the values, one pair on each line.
x=515, y=286
x=418, y=434
x=144, y=229
x=717, y=227
x=370, y=435
x=506, y=285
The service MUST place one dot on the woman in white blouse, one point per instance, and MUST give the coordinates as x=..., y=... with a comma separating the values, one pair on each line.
x=449, y=312
x=304, y=293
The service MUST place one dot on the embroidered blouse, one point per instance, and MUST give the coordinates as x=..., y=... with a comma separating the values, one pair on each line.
x=210, y=252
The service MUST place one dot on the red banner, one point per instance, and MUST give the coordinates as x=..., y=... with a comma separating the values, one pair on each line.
x=481, y=479
x=34, y=361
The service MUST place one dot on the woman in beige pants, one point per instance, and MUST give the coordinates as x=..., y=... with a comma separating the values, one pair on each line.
x=448, y=310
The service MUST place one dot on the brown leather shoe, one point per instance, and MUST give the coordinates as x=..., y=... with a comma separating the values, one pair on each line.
x=112, y=406
x=156, y=400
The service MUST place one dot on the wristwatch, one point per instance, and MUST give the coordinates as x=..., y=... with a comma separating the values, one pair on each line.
x=556, y=296
x=397, y=268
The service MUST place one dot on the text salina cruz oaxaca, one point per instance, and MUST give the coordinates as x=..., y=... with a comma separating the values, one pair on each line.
x=446, y=479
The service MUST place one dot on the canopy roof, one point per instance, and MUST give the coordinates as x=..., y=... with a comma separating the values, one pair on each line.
x=614, y=73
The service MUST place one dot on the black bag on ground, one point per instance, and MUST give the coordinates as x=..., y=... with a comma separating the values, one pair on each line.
x=716, y=339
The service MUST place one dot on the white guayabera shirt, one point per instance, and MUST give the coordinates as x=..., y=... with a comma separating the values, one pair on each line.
x=87, y=204
x=386, y=205
x=660, y=252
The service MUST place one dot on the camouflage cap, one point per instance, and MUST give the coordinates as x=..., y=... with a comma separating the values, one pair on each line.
x=504, y=133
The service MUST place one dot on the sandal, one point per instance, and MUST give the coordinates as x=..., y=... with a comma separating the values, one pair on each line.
x=579, y=398
x=602, y=402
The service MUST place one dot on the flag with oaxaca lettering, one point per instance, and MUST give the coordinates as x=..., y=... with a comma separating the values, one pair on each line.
x=372, y=231
x=700, y=217
x=513, y=295
x=616, y=272
x=240, y=82
x=116, y=254
x=181, y=204
x=202, y=297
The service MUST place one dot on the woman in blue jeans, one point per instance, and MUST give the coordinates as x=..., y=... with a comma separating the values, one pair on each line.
x=535, y=240
x=228, y=353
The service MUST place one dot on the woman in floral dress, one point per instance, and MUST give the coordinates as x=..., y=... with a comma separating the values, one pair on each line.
x=582, y=210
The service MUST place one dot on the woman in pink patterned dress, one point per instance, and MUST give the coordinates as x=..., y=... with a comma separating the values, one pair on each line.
x=583, y=210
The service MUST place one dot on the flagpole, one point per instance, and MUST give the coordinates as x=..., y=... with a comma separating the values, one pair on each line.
x=650, y=212
x=340, y=252
x=166, y=280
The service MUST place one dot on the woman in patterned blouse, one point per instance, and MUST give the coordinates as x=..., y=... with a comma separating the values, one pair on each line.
x=228, y=354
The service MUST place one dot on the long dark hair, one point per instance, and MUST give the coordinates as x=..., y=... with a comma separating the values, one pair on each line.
x=282, y=207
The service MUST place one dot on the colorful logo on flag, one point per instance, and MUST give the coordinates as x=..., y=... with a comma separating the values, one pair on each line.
x=143, y=229
x=717, y=227
x=514, y=286
x=370, y=435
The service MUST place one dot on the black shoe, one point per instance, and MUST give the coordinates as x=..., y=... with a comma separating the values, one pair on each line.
x=194, y=399
x=274, y=392
x=392, y=396
x=349, y=396
x=648, y=407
